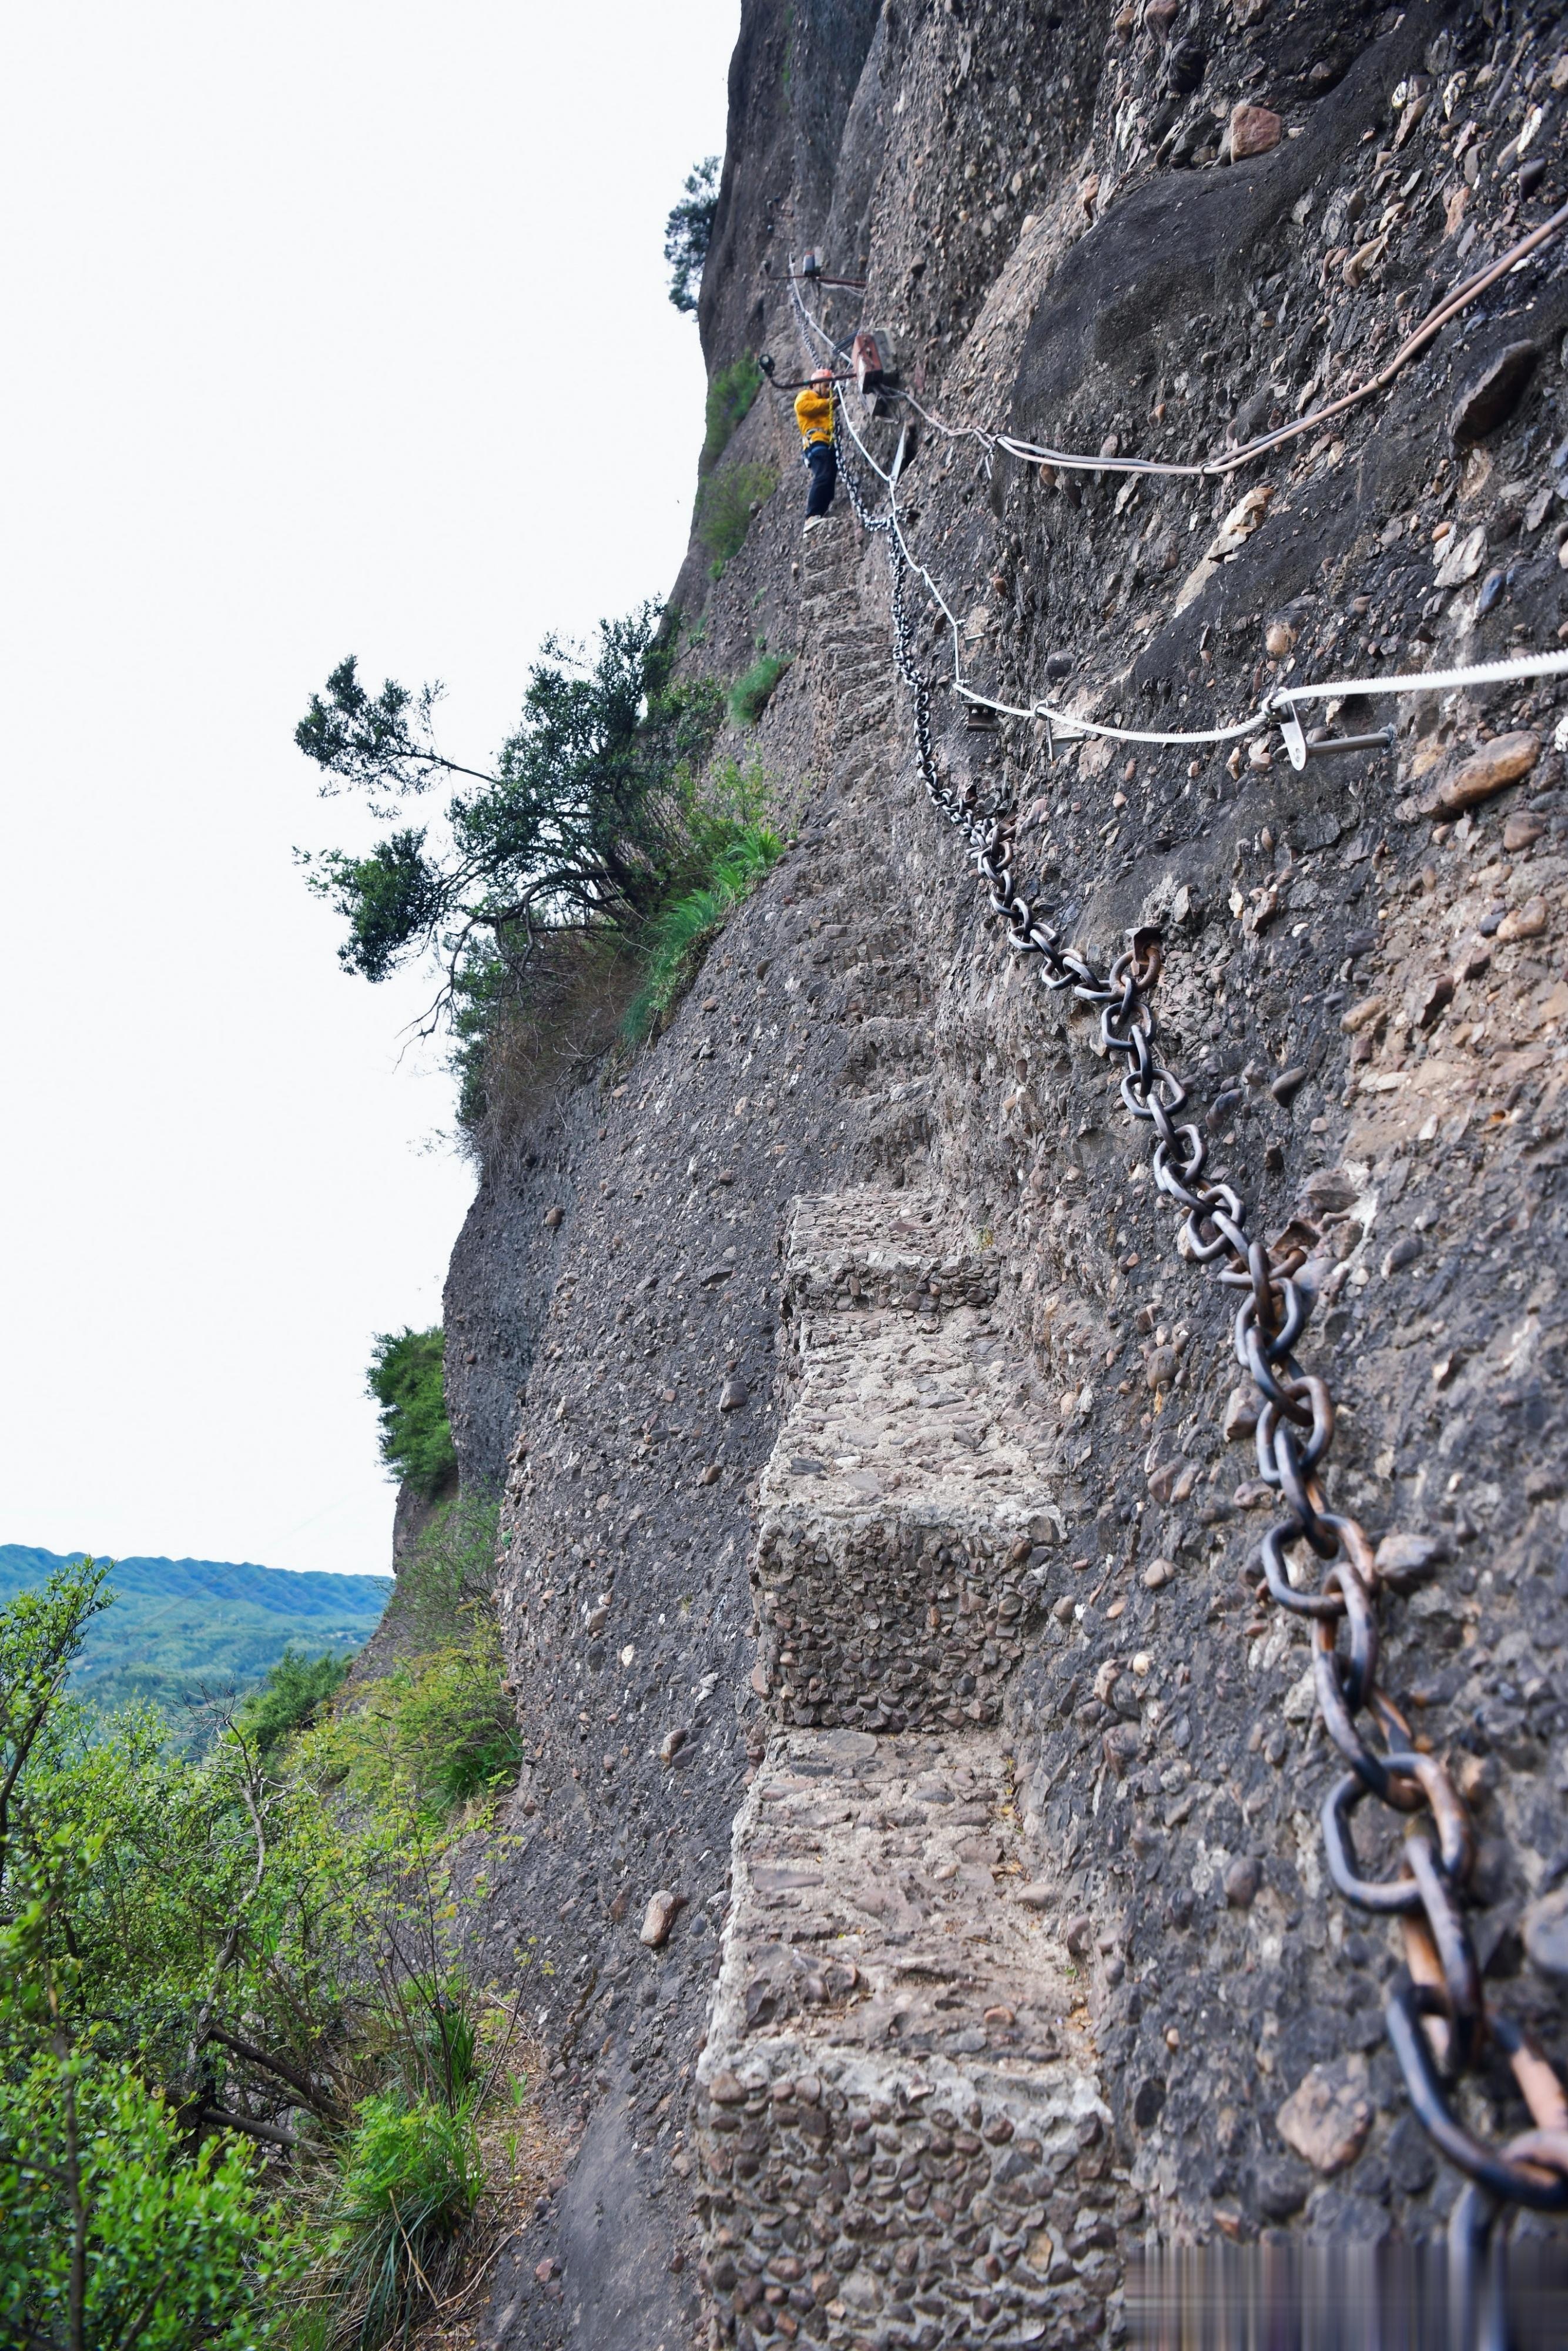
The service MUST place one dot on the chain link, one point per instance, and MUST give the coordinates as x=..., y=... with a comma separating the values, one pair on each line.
x=1437, y=2017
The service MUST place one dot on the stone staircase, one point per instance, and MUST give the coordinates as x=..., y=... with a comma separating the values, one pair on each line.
x=903, y=1501
x=899, y=2100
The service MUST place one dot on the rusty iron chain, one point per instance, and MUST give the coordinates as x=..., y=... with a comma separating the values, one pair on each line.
x=1437, y=2018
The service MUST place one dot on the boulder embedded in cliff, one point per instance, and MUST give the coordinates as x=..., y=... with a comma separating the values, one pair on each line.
x=1491, y=396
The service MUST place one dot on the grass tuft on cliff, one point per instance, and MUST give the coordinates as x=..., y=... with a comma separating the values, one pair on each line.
x=727, y=505
x=729, y=399
x=427, y=1720
x=738, y=847
x=753, y=690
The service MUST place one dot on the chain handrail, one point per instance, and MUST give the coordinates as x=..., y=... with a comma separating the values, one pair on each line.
x=1437, y=2017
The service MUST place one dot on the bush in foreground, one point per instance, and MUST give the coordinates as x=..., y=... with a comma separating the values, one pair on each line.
x=238, y=2052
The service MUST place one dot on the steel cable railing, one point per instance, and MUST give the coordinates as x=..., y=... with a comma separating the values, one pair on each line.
x=1438, y=2024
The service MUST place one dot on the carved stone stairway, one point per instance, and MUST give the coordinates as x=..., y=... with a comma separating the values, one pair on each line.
x=899, y=2115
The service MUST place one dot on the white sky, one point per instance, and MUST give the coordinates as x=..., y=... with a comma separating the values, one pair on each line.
x=330, y=328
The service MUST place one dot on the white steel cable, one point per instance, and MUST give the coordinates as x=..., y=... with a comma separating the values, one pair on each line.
x=1072, y=723
x=1458, y=298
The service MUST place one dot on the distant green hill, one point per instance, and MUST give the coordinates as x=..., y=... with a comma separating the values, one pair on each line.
x=180, y=1627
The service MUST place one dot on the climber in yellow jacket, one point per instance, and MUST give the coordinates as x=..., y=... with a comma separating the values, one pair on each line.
x=814, y=415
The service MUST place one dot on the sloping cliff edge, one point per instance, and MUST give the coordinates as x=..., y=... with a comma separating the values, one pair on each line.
x=863, y=1437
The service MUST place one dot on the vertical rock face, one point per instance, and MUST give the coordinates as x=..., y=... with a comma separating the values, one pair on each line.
x=880, y=1518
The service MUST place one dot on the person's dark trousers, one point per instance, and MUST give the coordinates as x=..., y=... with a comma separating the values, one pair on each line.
x=824, y=471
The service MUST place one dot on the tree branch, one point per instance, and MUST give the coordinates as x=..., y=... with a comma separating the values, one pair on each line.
x=308, y=2095
x=224, y=1960
x=268, y=2131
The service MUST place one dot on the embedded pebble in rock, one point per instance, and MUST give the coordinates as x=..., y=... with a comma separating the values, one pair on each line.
x=1546, y=1932
x=1253, y=132
x=1485, y=772
x=1242, y=1879
x=1493, y=393
x=658, y=1918
x=1327, y=2119
x=1526, y=922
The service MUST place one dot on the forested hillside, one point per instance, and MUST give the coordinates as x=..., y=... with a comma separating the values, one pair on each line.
x=182, y=1632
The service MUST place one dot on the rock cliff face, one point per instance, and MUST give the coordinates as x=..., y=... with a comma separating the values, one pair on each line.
x=880, y=1544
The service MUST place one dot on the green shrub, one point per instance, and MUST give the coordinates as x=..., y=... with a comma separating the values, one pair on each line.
x=175, y=2249
x=752, y=692
x=407, y=1380
x=438, y=1728
x=289, y=1699
x=729, y=399
x=724, y=508
x=449, y=1577
x=201, y=1952
x=412, y=2175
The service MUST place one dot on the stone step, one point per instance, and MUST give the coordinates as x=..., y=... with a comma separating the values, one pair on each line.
x=898, y=2097
x=907, y=1500
x=866, y=705
x=883, y=1249
x=828, y=564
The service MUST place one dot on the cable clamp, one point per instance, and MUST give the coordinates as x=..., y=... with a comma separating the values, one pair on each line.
x=1295, y=741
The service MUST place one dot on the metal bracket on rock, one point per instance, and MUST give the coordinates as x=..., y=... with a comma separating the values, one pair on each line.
x=1295, y=741
x=1300, y=750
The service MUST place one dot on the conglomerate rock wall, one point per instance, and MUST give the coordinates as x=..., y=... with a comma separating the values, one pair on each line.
x=918, y=1858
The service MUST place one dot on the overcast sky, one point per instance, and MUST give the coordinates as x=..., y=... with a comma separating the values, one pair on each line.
x=330, y=328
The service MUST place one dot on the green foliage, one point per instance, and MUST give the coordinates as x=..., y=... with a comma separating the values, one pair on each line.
x=296, y=1689
x=111, y=2229
x=729, y=397
x=210, y=1968
x=738, y=847
x=688, y=232
x=436, y=1730
x=411, y=2177
x=753, y=690
x=407, y=1380
x=726, y=505
x=578, y=830
x=449, y=1579
x=112, y=2232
